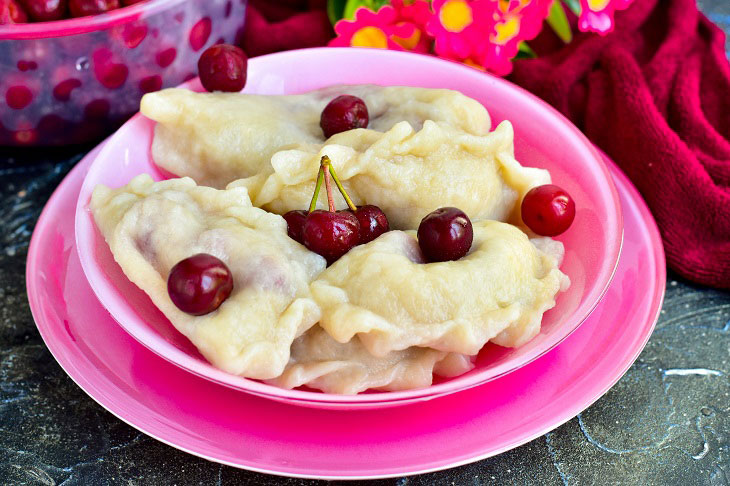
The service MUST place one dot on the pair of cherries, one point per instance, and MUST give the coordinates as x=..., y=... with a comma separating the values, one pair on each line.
x=21, y=11
x=333, y=233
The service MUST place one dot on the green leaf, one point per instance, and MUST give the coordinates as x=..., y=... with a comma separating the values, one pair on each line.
x=352, y=5
x=559, y=22
x=525, y=51
x=335, y=10
x=573, y=5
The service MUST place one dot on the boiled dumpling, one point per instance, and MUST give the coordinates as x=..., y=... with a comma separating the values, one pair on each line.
x=320, y=362
x=216, y=138
x=383, y=293
x=407, y=173
x=151, y=226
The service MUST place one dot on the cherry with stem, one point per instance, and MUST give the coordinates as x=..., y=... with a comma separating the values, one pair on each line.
x=329, y=233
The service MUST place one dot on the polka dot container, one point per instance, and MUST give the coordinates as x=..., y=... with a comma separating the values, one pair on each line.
x=73, y=81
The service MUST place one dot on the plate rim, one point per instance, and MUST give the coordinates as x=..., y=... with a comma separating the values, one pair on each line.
x=659, y=283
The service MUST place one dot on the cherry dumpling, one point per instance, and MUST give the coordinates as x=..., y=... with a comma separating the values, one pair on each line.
x=152, y=226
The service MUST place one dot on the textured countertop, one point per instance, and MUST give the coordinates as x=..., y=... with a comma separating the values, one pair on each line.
x=667, y=421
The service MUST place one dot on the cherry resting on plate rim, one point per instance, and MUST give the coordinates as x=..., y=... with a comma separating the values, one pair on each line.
x=445, y=234
x=223, y=67
x=343, y=113
x=548, y=210
x=199, y=284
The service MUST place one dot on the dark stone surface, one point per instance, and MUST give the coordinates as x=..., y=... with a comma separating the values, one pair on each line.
x=666, y=422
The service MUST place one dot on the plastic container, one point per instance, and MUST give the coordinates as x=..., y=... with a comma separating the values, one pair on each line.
x=75, y=80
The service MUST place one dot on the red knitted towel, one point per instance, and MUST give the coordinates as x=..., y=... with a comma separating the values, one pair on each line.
x=655, y=96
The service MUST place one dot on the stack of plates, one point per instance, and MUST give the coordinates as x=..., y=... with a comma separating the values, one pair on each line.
x=121, y=350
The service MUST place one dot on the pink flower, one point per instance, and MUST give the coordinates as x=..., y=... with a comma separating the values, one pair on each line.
x=460, y=27
x=597, y=15
x=417, y=12
x=414, y=14
x=372, y=29
x=515, y=21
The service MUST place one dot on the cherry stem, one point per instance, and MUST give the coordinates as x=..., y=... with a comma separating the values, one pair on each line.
x=315, y=196
x=326, y=167
x=342, y=189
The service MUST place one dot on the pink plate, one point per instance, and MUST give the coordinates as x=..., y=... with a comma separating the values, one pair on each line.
x=543, y=139
x=215, y=422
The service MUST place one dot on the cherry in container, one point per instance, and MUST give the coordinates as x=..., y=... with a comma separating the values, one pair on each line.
x=75, y=80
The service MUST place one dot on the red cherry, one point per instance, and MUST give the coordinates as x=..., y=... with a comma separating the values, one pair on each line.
x=295, y=224
x=548, y=210
x=445, y=234
x=127, y=3
x=45, y=10
x=343, y=113
x=373, y=222
x=199, y=284
x=82, y=8
x=223, y=67
x=331, y=234
x=11, y=13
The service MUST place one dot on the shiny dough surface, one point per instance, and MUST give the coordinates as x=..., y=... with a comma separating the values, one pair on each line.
x=217, y=138
x=383, y=293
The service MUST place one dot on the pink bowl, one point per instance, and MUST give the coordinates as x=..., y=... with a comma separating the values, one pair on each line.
x=543, y=138
x=70, y=81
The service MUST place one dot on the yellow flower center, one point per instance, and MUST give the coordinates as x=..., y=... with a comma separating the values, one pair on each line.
x=597, y=5
x=455, y=15
x=474, y=64
x=369, y=37
x=410, y=42
x=507, y=30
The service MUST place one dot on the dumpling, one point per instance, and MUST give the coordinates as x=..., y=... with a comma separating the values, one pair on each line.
x=216, y=138
x=383, y=293
x=320, y=362
x=151, y=226
x=407, y=173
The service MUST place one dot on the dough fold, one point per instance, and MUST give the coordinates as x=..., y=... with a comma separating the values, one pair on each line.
x=150, y=226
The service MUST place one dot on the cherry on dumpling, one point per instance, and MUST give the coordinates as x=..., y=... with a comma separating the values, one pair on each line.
x=445, y=234
x=344, y=113
x=199, y=284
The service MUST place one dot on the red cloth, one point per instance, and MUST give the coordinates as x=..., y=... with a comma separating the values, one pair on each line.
x=285, y=24
x=655, y=96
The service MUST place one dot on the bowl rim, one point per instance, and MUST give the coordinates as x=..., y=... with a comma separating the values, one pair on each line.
x=82, y=25
x=84, y=219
